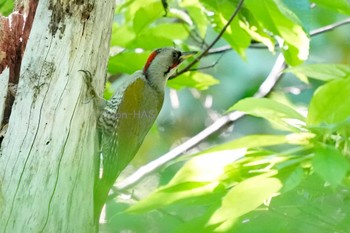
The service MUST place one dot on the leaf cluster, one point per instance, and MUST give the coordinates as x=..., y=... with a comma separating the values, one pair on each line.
x=293, y=179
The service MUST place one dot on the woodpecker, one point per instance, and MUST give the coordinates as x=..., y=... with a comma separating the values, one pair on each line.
x=127, y=117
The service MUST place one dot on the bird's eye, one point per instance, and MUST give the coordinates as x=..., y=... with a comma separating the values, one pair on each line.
x=176, y=54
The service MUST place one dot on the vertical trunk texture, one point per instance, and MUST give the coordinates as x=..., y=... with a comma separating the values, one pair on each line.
x=47, y=165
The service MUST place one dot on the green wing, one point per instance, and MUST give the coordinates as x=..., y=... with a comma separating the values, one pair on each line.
x=137, y=110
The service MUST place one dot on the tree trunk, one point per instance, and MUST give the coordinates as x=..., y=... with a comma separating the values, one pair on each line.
x=47, y=163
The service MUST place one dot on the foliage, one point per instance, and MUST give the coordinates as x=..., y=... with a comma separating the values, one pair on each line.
x=291, y=176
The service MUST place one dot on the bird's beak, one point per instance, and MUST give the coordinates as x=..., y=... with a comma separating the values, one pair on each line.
x=185, y=55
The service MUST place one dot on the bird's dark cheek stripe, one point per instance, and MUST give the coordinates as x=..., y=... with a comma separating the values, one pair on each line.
x=167, y=72
x=171, y=67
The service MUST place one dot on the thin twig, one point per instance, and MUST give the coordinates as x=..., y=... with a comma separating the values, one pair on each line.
x=329, y=27
x=264, y=89
x=208, y=66
x=217, y=38
x=227, y=48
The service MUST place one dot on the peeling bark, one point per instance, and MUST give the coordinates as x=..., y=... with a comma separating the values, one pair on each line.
x=14, y=34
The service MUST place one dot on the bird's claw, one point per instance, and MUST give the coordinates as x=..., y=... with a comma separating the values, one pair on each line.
x=99, y=101
x=88, y=81
x=87, y=76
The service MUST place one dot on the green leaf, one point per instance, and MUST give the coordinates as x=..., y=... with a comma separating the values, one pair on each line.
x=122, y=35
x=6, y=7
x=127, y=62
x=161, y=35
x=293, y=179
x=330, y=103
x=330, y=164
x=146, y=15
x=149, y=41
x=207, y=167
x=200, y=176
x=178, y=192
x=256, y=32
x=323, y=72
x=243, y=198
x=275, y=17
x=272, y=111
x=237, y=37
x=342, y=6
x=169, y=30
x=195, y=10
x=251, y=141
x=198, y=80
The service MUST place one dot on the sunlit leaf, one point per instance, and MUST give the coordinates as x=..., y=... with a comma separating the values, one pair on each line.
x=330, y=103
x=146, y=15
x=237, y=37
x=183, y=191
x=195, y=10
x=324, y=72
x=251, y=141
x=256, y=32
x=129, y=8
x=330, y=164
x=207, y=167
x=161, y=35
x=122, y=35
x=150, y=41
x=170, y=31
x=127, y=62
x=198, y=80
x=198, y=177
x=243, y=198
x=278, y=19
x=273, y=111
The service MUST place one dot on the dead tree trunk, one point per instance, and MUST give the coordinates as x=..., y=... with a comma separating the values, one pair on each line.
x=48, y=124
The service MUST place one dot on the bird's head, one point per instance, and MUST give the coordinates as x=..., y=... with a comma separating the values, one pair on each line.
x=162, y=62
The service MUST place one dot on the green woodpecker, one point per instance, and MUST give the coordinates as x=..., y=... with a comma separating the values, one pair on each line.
x=127, y=117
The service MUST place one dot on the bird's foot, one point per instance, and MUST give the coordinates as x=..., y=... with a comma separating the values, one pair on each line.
x=91, y=90
x=88, y=80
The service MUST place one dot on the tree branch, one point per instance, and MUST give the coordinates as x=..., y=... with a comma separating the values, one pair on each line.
x=197, y=59
x=264, y=89
x=329, y=27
